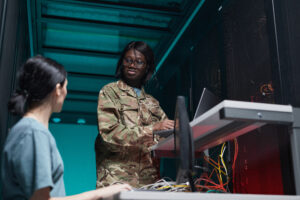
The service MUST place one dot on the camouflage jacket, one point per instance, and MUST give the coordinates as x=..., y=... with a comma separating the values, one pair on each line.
x=125, y=123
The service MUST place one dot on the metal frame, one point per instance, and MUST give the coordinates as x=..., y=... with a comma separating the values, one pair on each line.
x=3, y=19
x=295, y=147
x=179, y=35
x=147, y=195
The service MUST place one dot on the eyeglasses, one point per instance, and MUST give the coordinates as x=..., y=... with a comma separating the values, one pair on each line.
x=137, y=63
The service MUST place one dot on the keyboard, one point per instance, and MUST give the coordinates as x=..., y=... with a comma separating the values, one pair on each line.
x=164, y=133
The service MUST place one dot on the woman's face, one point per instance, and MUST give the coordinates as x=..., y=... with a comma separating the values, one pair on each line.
x=135, y=68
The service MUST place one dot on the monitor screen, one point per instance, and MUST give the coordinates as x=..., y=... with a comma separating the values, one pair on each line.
x=183, y=144
x=206, y=102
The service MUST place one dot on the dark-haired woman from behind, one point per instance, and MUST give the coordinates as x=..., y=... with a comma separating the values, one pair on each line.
x=31, y=165
x=127, y=117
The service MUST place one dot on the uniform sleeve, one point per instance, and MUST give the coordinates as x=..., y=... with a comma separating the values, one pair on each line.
x=158, y=114
x=114, y=132
x=162, y=114
x=157, y=111
x=32, y=163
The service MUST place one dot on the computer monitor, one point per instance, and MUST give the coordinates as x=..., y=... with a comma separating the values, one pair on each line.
x=206, y=102
x=183, y=144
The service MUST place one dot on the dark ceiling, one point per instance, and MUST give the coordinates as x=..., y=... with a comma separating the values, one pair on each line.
x=87, y=37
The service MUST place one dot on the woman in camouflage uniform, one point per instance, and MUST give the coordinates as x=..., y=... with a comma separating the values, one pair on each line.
x=127, y=116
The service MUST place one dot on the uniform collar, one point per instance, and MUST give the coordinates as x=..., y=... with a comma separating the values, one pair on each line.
x=129, y=90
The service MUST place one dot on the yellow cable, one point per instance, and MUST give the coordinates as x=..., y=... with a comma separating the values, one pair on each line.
x=216, y=167
x=222, y=160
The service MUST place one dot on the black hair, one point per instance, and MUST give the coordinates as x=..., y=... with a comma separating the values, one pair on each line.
x=37, y=78
x=143, y=48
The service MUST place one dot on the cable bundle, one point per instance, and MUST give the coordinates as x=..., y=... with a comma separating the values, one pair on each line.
x=205, y=183
x=170, y=186
x=220, y=170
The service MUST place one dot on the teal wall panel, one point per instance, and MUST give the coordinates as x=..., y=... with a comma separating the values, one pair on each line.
x=98, y=13
x=87, y=83
x=93, y=38
x=79, y=105
x=90, y=64
x=78, y=37
x=76, y=145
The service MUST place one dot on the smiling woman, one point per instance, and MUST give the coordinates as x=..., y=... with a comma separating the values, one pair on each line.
x=134, y=68
x=127, y=116
x=136, y=56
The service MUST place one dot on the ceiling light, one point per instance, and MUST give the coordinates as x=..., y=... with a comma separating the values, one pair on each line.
x=56, y=119
x=81, y=121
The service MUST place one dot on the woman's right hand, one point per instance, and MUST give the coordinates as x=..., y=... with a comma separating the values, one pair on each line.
x=164, y=125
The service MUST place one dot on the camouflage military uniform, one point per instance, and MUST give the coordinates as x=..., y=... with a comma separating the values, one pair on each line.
x=125, y=123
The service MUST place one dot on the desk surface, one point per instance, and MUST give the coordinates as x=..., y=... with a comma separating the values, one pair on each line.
x=144, y=195
x=227, y=120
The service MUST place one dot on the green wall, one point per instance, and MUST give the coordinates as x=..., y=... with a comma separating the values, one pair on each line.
x=76, y=146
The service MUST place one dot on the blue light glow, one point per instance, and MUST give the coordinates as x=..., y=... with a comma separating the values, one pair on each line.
x=81, y=121
x=56, y=120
